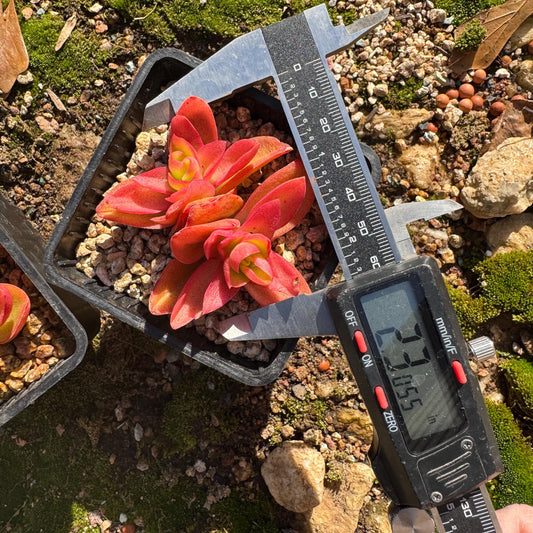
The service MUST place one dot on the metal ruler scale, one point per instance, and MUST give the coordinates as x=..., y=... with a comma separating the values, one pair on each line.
x=329, y=148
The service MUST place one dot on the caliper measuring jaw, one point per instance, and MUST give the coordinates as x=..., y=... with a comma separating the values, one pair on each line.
x=246, y=61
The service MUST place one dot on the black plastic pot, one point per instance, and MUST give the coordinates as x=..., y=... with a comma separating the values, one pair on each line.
x=110, y=158
x=26, y=248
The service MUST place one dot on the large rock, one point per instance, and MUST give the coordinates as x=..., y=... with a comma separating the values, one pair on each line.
x=294, y=473
x=397, y=124
x=422, y=164
x=511, y=233
x=524, y=76
x=339, y=510
x=523, y=35
x=501, y=183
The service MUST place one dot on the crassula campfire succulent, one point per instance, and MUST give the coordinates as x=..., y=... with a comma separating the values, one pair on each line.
x=219, y=243
x=197, y=185
x=213, y=261
x=14, y=310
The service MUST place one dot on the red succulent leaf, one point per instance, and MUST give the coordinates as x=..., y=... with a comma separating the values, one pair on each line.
x=187, y=245
x=18, y=303
x=196, y=190
x=199, y=126
x=179, y=144
x=210, y=209
x=210, y=156
x=205, y=291
x=294, y=206
x=182, y=171
x=169, y=286
x=6, y=303
x=258, y=271
x=236, y=157
x=286, y=283
x=248, y=262
x=269, y=149
x=135, y=201
x=181, y=126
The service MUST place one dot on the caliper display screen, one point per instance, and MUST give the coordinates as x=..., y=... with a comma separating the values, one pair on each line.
x=410, y=354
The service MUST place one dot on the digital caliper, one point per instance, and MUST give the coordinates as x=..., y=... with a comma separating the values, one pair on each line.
x=433, y=446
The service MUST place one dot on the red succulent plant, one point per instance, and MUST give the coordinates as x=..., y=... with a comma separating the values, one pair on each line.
x=197, y=185
x=14, y=310
x=212, y=261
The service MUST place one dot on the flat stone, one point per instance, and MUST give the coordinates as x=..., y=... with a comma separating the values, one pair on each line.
x=301, y=486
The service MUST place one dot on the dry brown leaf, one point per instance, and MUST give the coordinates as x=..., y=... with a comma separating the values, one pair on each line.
x=65, y=32
x=500, y=22
x=515, y=121
x=13, y=55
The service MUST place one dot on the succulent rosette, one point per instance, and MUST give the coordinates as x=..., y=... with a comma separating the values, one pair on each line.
x=14, y=309
x=197, y=185
x=213, y=261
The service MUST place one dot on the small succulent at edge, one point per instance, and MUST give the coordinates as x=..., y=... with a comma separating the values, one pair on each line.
x=14, y=310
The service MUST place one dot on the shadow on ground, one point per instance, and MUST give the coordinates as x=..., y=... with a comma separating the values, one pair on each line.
x=170, y=445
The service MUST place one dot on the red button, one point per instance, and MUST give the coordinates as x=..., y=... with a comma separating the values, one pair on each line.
x=459, y=372
x=381, y=398
x=360, y=340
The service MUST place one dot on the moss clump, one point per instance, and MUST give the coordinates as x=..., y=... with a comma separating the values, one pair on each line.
x=306, y=411
x=71, y=68
x=519, y=376
x=218, y=18
x=472, y=313
x=462, y=10
x=472, y=36
x=402, y=96
x=515, y=484
x=507, y=281
x=80, y=521
x=201, y=408
x=470, y=130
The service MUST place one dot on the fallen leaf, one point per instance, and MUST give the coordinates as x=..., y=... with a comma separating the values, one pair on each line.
x=66, y=31
x=13, y=55
x=500, y=22
x=515, y=121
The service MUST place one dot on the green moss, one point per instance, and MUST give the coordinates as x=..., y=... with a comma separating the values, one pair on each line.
x=472, y=36
x=515, y=484
x=306, y=409
x=462, y=10
x=71, y=68
x=471, y=313
x=507, y=283
x=402, y=96
x=238, y=514
x=217, y=18
x=80, y=522
x=201, y=408
x=519, y=376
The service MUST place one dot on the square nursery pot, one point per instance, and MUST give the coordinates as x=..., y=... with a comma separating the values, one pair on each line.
x=26, y=249
x=110, y=158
